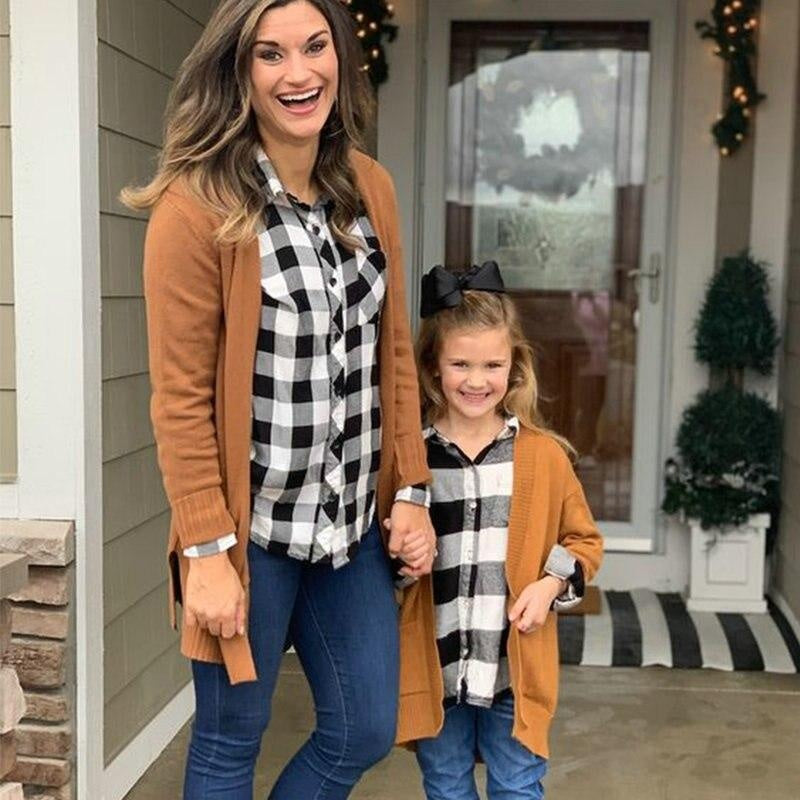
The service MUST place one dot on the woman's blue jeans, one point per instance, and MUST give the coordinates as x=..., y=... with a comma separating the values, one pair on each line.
x=343, y=624
x=448, y=760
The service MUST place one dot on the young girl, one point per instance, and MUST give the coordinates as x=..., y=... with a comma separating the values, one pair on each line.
x=515, y=539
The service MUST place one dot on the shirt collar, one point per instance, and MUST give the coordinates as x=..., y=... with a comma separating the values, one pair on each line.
x=273, y=188
x=509, y=430
x=272, y=183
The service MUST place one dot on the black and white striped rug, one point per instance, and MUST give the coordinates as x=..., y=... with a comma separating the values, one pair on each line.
x=641, y=628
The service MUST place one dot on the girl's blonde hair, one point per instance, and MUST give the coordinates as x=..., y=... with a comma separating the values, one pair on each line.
x=482, y=310
x=211, y=133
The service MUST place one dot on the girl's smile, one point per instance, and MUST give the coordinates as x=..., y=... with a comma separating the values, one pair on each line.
x=473, y=368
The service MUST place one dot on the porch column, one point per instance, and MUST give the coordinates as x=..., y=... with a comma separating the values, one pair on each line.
x=57, y=302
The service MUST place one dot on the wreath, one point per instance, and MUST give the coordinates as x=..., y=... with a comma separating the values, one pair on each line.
x=555, y=172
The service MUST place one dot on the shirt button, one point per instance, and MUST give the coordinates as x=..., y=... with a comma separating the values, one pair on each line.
x=332, y=280
x=473, y=505
x=315, y=230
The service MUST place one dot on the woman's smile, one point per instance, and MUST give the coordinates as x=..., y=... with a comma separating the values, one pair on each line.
x=300, y=102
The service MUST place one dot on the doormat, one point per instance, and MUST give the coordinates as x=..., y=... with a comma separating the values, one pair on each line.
x=642, y=628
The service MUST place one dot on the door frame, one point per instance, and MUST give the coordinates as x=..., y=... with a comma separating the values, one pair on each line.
x=656, y=223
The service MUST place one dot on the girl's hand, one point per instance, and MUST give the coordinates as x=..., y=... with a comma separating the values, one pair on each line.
x=214, y=596
x=533, y=604
x=411, y=538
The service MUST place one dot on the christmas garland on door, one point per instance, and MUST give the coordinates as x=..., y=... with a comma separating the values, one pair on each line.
x=733, y=29
x=372, y=25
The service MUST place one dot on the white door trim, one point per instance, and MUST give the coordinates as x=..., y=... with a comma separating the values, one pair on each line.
x=55, y=194
x=773, y=178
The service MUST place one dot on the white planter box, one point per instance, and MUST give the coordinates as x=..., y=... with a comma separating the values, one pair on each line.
x=727, y=568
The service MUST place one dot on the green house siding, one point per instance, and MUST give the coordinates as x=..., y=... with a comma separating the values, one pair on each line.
x=140, y=47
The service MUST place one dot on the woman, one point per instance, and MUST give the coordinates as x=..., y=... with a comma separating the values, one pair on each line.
x=285, y=400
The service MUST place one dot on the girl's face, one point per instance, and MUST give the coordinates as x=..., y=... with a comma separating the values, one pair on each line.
x=294, y=72
x=473, y=367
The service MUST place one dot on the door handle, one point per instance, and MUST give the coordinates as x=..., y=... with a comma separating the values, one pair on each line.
x=653, y=274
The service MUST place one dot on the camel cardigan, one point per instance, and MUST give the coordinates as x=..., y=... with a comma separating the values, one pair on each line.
x=548, y=507
x=203, y=312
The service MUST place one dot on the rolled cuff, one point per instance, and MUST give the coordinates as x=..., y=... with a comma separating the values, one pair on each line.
x=418, y=494
x=563, y=565
x=211, y=548
x=201, y=517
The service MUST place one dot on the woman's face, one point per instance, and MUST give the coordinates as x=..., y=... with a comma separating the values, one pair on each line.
x=295, y=73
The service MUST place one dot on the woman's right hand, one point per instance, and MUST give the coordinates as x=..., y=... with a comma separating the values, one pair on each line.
x=214, y=597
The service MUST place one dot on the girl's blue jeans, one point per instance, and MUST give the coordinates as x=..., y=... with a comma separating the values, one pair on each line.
x=343, y=624
x=448, y=760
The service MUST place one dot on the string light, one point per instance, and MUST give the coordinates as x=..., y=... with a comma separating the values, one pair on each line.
x=731, y=27
x=373, y=28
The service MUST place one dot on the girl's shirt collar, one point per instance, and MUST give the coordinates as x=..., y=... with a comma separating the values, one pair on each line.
x=510, y=429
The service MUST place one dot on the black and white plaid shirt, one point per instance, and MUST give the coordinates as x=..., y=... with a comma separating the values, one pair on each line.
x=470, y=503
x=316, y=433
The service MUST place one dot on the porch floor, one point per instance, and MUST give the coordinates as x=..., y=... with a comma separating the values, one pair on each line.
x=619, y=734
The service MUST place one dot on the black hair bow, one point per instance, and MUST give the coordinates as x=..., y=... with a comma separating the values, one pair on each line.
x=442, y=289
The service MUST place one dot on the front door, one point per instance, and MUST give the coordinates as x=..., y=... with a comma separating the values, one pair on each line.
x=547, y=150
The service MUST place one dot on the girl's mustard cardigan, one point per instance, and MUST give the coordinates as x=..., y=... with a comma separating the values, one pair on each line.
x=547, y=507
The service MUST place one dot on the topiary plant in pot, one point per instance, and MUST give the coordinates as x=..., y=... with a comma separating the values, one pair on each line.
x=724, y=480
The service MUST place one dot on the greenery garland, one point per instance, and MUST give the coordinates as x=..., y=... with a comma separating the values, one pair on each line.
x=733, y=29
x=372, y=24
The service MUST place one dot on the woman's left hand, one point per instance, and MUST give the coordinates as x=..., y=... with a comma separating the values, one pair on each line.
x=410, y=522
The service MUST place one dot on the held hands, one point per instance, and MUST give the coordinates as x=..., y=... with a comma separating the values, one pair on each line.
x=533, y=604
x=411, y=538
x=214, y=596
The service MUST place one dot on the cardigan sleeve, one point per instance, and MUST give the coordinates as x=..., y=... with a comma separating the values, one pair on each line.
x=411, y=463
x=183, y=294
x=578, y=532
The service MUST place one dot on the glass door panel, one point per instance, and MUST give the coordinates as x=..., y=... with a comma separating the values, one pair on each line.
x=545, y=172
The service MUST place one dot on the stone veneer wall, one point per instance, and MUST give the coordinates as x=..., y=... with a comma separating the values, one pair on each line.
x=42, y=651
x=13, y=577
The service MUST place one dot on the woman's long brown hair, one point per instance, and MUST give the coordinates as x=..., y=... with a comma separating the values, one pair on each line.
x=210, y=128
